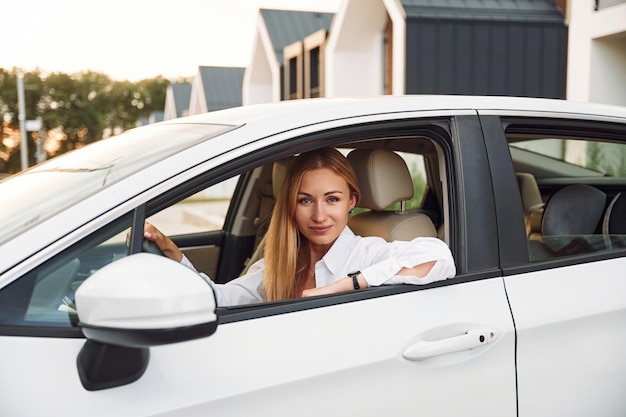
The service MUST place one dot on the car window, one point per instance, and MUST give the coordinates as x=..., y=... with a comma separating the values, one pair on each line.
x=572, y=191
x=202, y=212
x=220, y=229
x=45, y=296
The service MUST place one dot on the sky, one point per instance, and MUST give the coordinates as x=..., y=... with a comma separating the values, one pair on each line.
x=134, y=39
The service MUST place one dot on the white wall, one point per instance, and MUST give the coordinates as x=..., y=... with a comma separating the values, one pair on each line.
x=261, y=81
x=354, y=53
x=169, y=112
x=197, y=103
x=596, y=69
x=608, y=70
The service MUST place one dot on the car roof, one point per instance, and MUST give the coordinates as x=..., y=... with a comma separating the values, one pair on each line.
x=334, y=108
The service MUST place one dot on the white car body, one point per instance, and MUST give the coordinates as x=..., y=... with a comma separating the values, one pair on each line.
x=509, y=339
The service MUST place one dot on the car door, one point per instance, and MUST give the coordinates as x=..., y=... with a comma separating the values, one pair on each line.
x=568, y=301
x=445, y=348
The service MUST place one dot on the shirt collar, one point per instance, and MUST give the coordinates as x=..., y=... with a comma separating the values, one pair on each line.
x=335, y=257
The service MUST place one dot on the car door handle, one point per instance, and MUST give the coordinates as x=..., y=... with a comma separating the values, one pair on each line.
x=425, y=349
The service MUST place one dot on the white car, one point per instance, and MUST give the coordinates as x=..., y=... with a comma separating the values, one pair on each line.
x=528, y=193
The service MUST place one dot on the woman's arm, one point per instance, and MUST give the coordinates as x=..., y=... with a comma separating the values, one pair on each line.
x=346, y=284
x=419, y=271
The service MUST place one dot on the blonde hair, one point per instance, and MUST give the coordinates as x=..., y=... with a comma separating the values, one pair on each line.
x=286, y=250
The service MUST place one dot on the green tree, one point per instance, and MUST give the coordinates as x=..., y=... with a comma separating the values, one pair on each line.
x=83, y=106
x=76, y=104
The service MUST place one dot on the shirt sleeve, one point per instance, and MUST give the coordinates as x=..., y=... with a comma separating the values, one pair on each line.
x=391, y=257
x=243, y=290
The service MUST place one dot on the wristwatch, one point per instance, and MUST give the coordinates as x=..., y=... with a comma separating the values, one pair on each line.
x=355, y=280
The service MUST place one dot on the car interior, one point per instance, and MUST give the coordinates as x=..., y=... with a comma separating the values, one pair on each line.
x=397, y=202
x=571, y=189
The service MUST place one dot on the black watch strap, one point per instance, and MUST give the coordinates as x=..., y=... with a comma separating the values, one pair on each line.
x=355, y=280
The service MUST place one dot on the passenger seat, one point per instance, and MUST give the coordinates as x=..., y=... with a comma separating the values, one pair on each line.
x=384, y=179
x=532, y=203
x=571, y=216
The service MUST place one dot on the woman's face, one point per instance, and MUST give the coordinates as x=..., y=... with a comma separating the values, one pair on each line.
x=322, y=207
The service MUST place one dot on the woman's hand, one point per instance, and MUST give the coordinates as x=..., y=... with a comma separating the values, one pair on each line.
x=164, y=243
x=342, y=285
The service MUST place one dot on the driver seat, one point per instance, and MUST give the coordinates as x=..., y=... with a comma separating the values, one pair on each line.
x=279, y=172
x=385, y=179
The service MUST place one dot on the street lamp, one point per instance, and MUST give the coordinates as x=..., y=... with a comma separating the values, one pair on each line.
x=22, y=118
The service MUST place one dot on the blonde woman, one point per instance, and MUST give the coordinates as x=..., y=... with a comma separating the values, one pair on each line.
x=309, y=248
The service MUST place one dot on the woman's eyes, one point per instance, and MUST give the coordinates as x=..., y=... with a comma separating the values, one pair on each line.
x=330, y=199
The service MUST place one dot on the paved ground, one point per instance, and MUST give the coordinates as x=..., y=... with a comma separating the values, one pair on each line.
x=191, y=217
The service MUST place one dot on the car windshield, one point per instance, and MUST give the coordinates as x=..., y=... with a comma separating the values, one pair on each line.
x=31, y=196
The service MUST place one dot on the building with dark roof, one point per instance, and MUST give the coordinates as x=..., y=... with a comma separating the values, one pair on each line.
x=177, y=99
x=506, y=47
x=276, y=30
x=216, y=88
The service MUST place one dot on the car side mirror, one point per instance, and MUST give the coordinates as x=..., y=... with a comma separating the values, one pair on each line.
x=136, y=302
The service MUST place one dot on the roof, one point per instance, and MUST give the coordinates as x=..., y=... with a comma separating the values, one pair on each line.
x=496, y=10
x=222, y=86
x=181, y=93
x=286, y=27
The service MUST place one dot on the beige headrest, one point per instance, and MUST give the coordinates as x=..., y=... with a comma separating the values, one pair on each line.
x=279, y=172
x=529, y=190
x=383, y=177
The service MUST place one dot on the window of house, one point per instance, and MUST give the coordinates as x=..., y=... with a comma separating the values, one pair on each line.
x=293, y=74
x=314, y=46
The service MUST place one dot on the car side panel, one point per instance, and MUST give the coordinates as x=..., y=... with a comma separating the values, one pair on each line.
x=338, y=360
x=571, y=327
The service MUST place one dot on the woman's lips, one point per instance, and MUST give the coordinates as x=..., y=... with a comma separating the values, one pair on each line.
x=320, y=230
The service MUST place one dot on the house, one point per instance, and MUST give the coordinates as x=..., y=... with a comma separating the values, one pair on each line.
x=506, y=47
x=154, y=117
x=278, y=54
x=177, y=99
x=216, y=88
x=596, y=69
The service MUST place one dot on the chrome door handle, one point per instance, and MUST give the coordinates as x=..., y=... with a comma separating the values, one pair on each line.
x=425, y=349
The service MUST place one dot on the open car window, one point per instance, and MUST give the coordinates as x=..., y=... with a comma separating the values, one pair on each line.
x=219, y=226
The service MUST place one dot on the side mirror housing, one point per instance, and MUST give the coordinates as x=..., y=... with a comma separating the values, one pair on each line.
x=136, y=302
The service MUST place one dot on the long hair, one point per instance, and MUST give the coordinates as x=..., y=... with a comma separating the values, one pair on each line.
x=286, y=250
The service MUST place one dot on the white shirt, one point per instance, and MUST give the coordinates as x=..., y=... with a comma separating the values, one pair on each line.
x=378, y=260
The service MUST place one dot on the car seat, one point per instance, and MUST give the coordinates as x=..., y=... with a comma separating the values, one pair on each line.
x=385, y=179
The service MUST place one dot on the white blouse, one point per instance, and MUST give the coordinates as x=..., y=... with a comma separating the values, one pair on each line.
x=378, y=260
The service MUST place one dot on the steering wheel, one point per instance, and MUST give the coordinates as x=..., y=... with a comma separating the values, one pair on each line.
x=151, y=247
